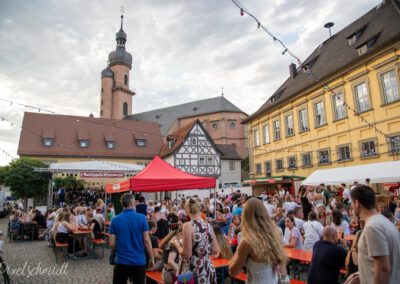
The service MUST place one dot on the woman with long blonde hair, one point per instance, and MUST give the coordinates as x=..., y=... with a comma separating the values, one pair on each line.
x=261, y=248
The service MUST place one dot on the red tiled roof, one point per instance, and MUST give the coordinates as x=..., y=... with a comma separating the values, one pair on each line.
x=179, y=136
x=67, y=130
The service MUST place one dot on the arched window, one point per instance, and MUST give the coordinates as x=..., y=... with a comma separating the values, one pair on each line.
x=126, y=79
x=125, y=109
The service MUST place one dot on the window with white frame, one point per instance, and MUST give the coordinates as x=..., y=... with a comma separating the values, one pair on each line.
x=268, y=168
x=319, y=114
x=83, y=143
x=277, y=129
x=258, y=169
x=292, y=162
x=362, y=97
x=307, y=160
x=231, y=165
x=266, y=134
x=368, y=148
x=289, y=125
x=256, y=137
x=389, y=86
x=181, y=162
x=48, y=142
x=303, y=119
x=202, y=161
x=338, y=106
x=323, y=157
x=110, y=144
x=395, y=144
x=279, y=165
x=141, y=142
x=344, y=153
x=210, y=161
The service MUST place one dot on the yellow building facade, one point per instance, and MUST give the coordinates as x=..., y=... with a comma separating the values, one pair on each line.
x=313, y=129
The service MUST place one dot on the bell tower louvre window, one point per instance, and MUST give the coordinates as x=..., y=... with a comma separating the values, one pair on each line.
x=125, y=109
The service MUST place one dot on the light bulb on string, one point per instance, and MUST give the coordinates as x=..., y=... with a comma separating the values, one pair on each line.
x=241, y=12
x=258, y=25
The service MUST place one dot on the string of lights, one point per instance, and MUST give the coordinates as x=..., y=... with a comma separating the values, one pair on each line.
x=260, y=150
x=27, y=106
x=306, y=69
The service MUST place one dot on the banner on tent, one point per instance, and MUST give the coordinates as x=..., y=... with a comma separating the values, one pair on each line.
x=101, y=175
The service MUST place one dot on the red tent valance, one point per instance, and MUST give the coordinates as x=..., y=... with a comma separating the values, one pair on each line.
x=161, y=176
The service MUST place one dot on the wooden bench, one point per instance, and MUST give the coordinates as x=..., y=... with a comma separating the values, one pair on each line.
x=63, y=247
x=98, y=242
x=155, y=276
x=243, y=277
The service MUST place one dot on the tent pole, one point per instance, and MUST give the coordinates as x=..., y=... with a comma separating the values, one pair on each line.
x=215, y=202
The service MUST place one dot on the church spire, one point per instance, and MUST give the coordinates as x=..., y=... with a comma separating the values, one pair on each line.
x=121, y=35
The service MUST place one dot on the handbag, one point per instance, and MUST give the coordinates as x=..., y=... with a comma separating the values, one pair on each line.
x=189, y=277
x=112, y=257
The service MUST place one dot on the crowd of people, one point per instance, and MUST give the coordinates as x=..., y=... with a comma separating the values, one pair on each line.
x=254, y=233
x=179, y=237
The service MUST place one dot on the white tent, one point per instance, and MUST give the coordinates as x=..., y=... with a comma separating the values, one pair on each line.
x=92, y=166
x=376, y=172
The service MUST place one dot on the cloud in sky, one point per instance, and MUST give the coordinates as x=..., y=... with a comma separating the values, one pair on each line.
x=52, y=52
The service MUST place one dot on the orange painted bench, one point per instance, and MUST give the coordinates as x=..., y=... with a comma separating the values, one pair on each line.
x=155, y=276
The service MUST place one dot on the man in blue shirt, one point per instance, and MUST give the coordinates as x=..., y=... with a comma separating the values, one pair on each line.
x=129, y=237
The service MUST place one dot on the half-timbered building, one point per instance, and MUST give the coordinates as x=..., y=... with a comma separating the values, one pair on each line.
x=191, y=150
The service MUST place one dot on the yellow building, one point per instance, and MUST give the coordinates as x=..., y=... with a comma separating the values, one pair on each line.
x=304, y=126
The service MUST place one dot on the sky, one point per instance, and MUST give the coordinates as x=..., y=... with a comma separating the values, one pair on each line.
x=52, y=52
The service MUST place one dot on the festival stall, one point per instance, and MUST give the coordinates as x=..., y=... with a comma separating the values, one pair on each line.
x=377, y=173
x=380, y=175
x=160, y=176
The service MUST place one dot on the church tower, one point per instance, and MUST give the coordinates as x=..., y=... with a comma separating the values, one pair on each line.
x=116, y=98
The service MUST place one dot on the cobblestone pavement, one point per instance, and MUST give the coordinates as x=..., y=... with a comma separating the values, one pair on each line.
x=31, y=253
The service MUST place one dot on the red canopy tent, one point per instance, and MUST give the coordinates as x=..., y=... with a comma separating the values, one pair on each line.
x=161, y=176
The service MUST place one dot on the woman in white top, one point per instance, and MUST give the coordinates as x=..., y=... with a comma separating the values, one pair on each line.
x=292, y=237
x=312, y=231
x=261, y=249
x=339, y=223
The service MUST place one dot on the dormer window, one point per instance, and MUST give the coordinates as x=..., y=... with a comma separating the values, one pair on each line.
x=110, y=144
x=353, y=38
x=363, y=48
x=171, y=143
x=47, y=142
x=83, y=143
x=141, y=142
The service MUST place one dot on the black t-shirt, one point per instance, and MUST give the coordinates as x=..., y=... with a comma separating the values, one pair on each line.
x=96, y=229
x=154, y=245
x=326, y=262
x=39, y=218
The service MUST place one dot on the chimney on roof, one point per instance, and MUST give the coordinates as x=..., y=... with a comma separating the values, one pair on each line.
x=91, y=115
x=293, y=70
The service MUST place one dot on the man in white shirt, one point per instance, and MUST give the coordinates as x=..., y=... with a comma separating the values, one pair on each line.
x=270, y=207
x=379, y=244
x=298, y=217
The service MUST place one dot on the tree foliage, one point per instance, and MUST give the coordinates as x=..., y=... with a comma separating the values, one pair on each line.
x=23, y=181
x=68, y=182
x=3, y=172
